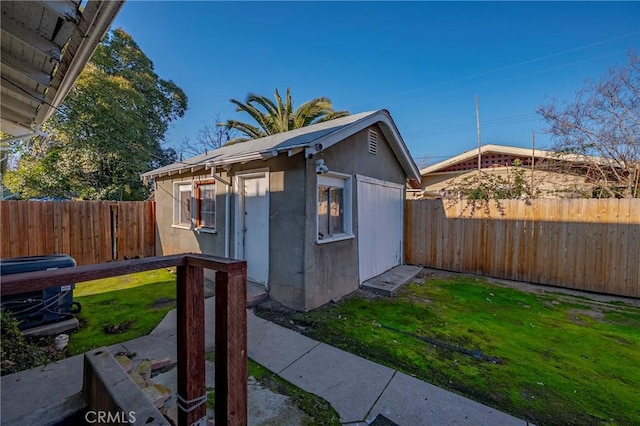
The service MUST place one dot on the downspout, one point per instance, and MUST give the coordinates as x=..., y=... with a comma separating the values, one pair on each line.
x=227, y=208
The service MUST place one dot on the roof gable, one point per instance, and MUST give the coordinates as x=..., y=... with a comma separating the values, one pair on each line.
x=504, y=151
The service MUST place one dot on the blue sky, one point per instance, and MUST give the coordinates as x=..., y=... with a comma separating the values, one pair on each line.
x=423, y=61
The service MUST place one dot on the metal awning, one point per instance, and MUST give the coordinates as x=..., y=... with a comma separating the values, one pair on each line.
x=45, y=46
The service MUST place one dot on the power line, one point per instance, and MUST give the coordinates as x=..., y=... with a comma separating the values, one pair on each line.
x=510, y=120
x=507, y=67
x=467, y=126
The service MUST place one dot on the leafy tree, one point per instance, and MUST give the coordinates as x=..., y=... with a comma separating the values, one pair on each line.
x=107, y=132
x=271, y=118
x=602, y=128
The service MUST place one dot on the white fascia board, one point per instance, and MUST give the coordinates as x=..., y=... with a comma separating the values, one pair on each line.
x=393, y=137
x=294, y=151
x=341, y=134
x=95, y=21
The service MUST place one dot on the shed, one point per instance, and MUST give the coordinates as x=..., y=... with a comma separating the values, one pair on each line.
x=314, y=211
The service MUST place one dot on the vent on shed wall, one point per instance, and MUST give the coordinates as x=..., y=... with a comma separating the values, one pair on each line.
x=373, y=142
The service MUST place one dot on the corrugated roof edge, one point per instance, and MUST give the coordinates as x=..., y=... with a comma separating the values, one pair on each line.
x=313, y=139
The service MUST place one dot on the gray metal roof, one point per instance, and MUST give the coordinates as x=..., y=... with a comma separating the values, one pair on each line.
x=311, y=139
x=45, y=45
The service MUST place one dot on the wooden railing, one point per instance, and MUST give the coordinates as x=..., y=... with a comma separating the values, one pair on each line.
x=230, y=325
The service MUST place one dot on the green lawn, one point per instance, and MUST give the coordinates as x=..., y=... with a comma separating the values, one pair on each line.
x=121, y=308
x=546, y=357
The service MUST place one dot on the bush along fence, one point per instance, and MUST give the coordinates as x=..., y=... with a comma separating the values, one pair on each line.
x=583, y=244
x=89, y=231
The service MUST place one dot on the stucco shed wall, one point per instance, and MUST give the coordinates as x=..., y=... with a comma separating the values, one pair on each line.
x=332, y=268
x=286, y=226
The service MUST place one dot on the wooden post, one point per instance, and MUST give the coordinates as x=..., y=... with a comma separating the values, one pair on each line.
x=191, y=362
x=231, y=346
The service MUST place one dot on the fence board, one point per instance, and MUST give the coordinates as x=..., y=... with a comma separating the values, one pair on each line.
x=81, y=229
x=4, y=228
x=633, y=254
x=107, y=241
x=592, y=265
x=21, y=224
x=591, y=245
x=49, y=219
x=622, y=241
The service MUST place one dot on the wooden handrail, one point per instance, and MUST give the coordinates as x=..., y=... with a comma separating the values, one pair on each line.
x=230, y=325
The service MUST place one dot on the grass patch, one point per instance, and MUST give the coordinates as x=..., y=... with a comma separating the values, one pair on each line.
x=319, y=410
x=561, y=360
x=123, y=282
x=121, y=308
x=211, y=398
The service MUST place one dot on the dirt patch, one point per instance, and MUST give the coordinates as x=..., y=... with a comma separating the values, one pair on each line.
x=163, y=302
x=618, y=339
x=576, y=315
x=120, y=328
x=564, y=294
x=419, y=300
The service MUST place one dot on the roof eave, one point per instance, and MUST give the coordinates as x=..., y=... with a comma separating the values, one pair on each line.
x=94, y=22
x=382, y=117
x=391, y=132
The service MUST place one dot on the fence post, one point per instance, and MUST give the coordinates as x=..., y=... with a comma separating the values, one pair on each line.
x=191, y=363
x=231, y=346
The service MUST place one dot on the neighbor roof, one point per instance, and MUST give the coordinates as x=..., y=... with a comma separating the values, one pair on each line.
x=311, y=139
x=45, y=45
x=510, y=150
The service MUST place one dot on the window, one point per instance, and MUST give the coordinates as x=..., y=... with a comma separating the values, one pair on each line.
x=205, y=216
x=334, y=208
x=182, y=204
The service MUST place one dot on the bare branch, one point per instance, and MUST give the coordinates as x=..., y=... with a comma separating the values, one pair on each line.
x=602, y=126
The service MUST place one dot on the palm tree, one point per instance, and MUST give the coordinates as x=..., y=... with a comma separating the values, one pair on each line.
x=278, y=117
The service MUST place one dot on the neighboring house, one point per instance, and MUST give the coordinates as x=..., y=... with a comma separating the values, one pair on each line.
x=315, y=211
x=554, y=175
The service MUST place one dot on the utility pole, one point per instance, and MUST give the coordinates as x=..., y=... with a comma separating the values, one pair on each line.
x=533, y=156
x=478, y=127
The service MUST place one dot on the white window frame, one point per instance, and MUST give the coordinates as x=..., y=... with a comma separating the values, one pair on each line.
x=337, y=180
x=195, y=216
x=178, y=188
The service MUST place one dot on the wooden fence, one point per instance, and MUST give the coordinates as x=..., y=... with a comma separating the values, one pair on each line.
x=89, y=231
x=583, y=244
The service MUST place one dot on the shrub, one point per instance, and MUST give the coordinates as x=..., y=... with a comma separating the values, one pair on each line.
x=16, y=353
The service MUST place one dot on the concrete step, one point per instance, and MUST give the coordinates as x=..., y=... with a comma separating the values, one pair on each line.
x=256, y=293
x=390, y=282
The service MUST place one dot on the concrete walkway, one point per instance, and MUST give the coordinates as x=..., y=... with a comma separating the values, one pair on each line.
x=358, y=389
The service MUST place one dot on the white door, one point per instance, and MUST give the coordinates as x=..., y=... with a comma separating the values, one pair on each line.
x=252, y=231
x=380, y=226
